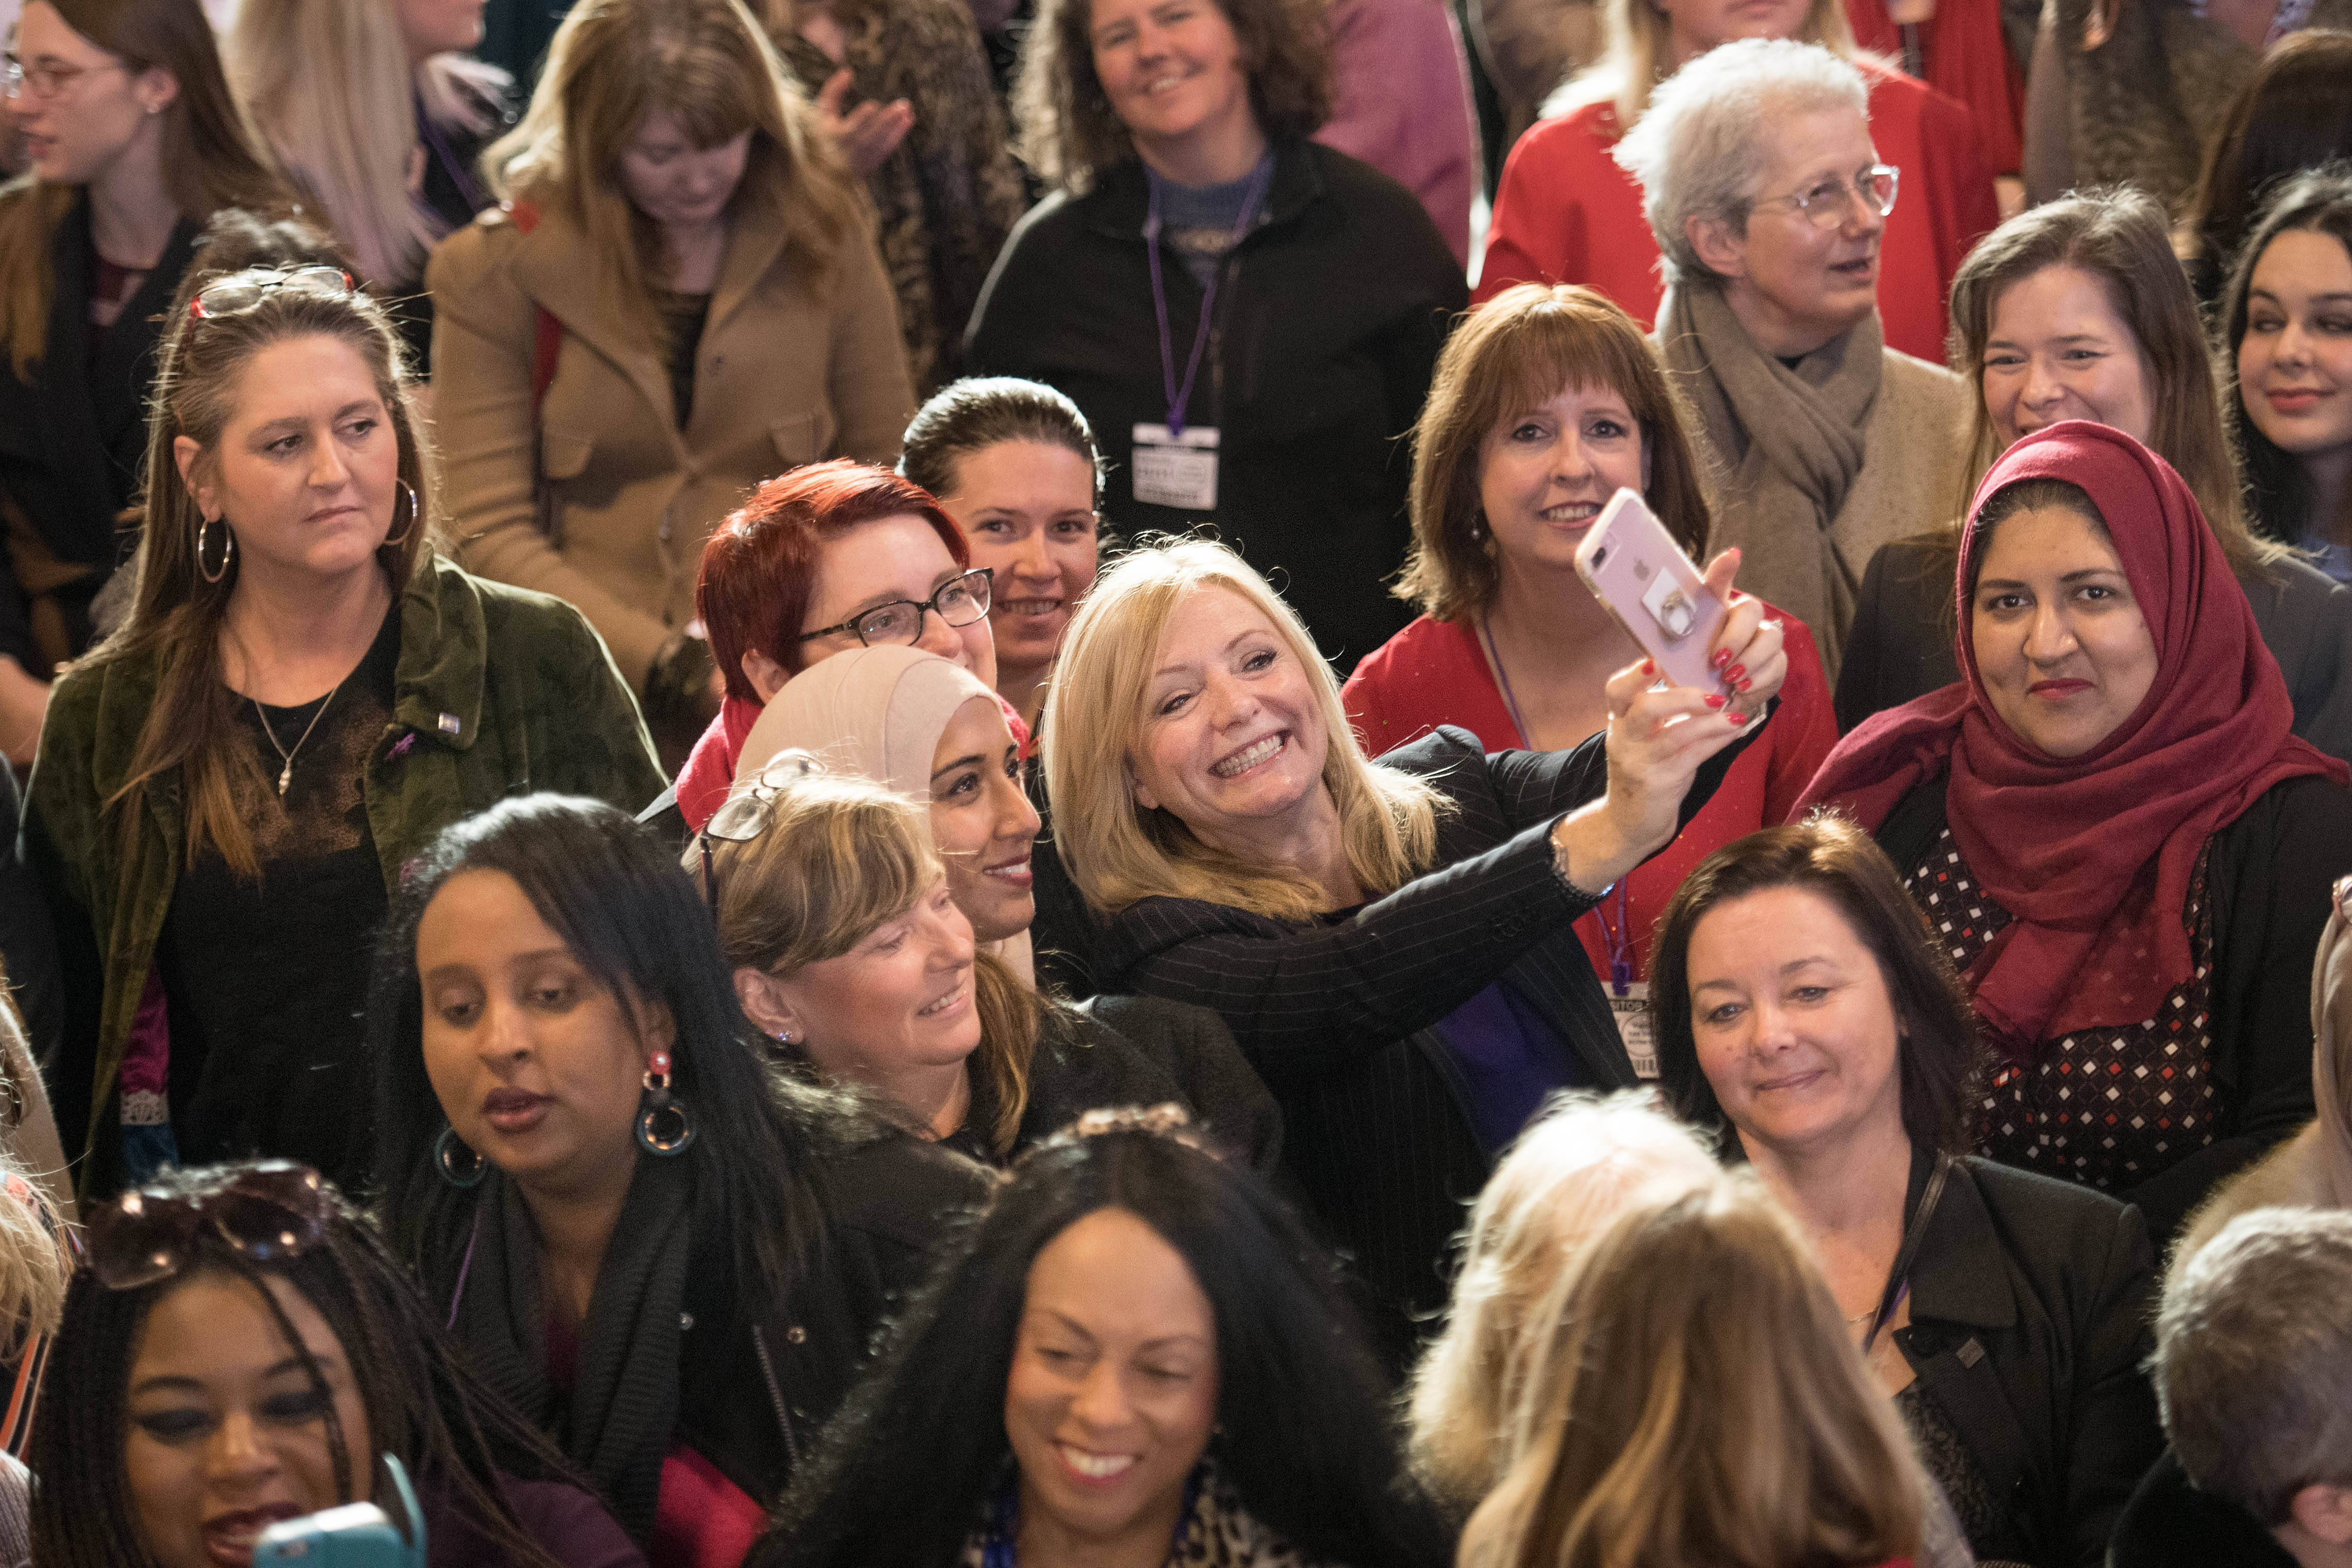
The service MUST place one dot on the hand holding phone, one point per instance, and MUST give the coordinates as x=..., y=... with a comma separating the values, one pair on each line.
x=1636, y=569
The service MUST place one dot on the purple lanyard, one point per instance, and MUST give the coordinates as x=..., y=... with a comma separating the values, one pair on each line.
x=1619, y=941
x=1180, y=398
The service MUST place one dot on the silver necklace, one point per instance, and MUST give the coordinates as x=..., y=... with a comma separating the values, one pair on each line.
x=286, y=776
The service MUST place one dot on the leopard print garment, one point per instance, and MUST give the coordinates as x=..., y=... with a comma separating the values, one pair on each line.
x=1220, y=1535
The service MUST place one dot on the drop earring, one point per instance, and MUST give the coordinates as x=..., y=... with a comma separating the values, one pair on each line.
x=459, y=1164
x=663, y=1126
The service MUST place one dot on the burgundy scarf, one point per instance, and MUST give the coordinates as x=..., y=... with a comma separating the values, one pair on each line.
x=2093, y=855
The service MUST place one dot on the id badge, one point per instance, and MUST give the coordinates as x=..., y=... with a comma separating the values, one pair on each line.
x=1631, y=1012
x=1178, y=471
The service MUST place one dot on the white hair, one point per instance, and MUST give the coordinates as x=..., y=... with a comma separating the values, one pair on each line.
x=1703, y=145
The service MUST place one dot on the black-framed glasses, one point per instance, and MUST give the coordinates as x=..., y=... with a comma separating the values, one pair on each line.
x=267, y=1211
x=245, y=290
x=1824, y=205
x=19, y=79
x=959, y=601
x=743, y=816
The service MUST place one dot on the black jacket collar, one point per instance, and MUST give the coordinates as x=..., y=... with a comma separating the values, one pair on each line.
x=1117, y=203
x=1956, y=1278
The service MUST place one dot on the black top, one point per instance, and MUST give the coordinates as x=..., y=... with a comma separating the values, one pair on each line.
x=2029, y=1307
x=682, y=318
x=2269, y=877
x=1900, y=644
x=28, y=939
x=265, y=981
x=2170, y=1523
x=1339, y=1016
x=1326, y=331
x=73, y=439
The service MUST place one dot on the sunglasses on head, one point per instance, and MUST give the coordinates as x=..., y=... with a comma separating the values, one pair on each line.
x=245, y=290
x=745, y=812
x=267, y=1211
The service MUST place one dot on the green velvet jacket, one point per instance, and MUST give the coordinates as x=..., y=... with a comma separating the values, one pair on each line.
x=499, y=691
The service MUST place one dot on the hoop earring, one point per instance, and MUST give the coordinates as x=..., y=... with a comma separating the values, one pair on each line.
x=228, y=549
x=459, y=1164
x=663, y=1126
x=396, y=540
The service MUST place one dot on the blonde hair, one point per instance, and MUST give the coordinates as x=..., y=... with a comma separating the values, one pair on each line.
x=1585, y=1160
x=710, y=65
x=1696, y=1401
x=1118, y=850
x=838, y=856
x=327, y=83
x=1638, y=54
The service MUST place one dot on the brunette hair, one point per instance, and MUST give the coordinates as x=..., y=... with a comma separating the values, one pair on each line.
x=330, y=87
x=707, y=64
x=1519, y=350
x=1696, y=1399
x=175, y=613
x=1938, y=1049
x=980, y=411
x=210, y=159
x=1118, y=850
x=759, y=565
x=2119, y=236
x=423, y=1403
x=1586, y=1159
x=837, y=857
x=2293, y=114
x=1303, y=1436
x=2286, y=504
x=1067, y=131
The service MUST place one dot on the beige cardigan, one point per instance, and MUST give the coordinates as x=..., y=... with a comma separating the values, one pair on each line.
x=1915, y=454
x=785, y=375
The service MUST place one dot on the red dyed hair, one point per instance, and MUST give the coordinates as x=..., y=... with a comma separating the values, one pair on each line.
x=759, y=570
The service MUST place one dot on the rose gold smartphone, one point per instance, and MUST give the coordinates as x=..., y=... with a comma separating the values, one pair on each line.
x=1634, y=567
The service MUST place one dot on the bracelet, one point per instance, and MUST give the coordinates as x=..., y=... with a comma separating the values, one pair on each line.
x=1560, y=867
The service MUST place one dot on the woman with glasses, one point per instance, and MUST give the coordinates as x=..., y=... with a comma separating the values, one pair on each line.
x=825, y=559
x=660, y=1251
x=1569, y=210
x=929, y=731
x=1768, y=195
x=679, y=298
x=244, y=1349
x=133, y=142
x=302, y=693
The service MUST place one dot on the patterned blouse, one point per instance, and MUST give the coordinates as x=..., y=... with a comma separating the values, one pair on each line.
x=945, y=200
x=2107, y=1107
x=1220, y=1535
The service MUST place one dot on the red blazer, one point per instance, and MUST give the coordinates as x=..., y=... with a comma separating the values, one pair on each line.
x=1567, y=213
x=1964, y=57
x=1433, y=672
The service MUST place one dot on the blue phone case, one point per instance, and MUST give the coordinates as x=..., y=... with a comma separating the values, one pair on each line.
x=356, y=1535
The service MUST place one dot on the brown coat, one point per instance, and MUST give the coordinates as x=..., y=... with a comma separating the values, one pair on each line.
x=785, y=375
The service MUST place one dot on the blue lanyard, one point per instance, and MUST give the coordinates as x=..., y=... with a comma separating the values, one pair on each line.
x=1004, y=1519
x=1180, y=398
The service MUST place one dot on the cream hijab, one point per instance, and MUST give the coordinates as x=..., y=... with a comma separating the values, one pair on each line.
x=880, y=713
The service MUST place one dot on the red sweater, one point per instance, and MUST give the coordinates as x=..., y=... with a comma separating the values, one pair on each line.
x=1567, y=213
x=1433, y=672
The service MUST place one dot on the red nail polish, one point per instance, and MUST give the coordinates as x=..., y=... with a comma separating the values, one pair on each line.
x=1735, y=672
x=1648, y=668
x=1739, y=717
x=1722, y=657
x=1745, y=684
x=1714, y=699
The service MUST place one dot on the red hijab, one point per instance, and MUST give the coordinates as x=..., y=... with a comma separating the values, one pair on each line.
x=2093, y=855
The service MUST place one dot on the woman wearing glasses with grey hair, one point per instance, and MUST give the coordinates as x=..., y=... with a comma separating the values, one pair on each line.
x=1769, y=200
x=303, y=692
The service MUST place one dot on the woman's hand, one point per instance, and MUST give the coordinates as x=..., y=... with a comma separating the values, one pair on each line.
x=1657, y=742
x=868, y=133
x=1748, y=649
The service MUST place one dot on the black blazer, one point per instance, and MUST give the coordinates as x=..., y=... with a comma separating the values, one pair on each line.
x=2269, y=880
x=1899, y=647
x=73, y=440
x=1329, y=316
x=2031, y=1301
x=2171, y=1524
x=1338, y=1016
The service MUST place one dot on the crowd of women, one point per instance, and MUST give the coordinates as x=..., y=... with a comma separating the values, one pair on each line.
x=679, y=869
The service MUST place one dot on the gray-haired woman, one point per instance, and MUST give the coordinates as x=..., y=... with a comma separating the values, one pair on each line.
x=1768, y=202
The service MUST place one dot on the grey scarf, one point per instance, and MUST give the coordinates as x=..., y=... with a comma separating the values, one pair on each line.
x=622, y=1415
x=1789, y=443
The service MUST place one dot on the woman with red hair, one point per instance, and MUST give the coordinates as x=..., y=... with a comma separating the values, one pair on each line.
x=820, y=560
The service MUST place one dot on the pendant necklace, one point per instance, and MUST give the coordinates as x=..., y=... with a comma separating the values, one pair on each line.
x=286, y=776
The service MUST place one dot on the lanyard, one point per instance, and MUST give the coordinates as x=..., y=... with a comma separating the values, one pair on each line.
x=1004, y=1519
x=1180, y=398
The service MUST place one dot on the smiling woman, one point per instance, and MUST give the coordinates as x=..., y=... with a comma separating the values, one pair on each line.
x=1137, y=1354
x=302, y=695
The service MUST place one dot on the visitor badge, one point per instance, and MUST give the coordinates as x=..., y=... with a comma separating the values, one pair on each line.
x=1178, y=470
x=1631, y=1012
